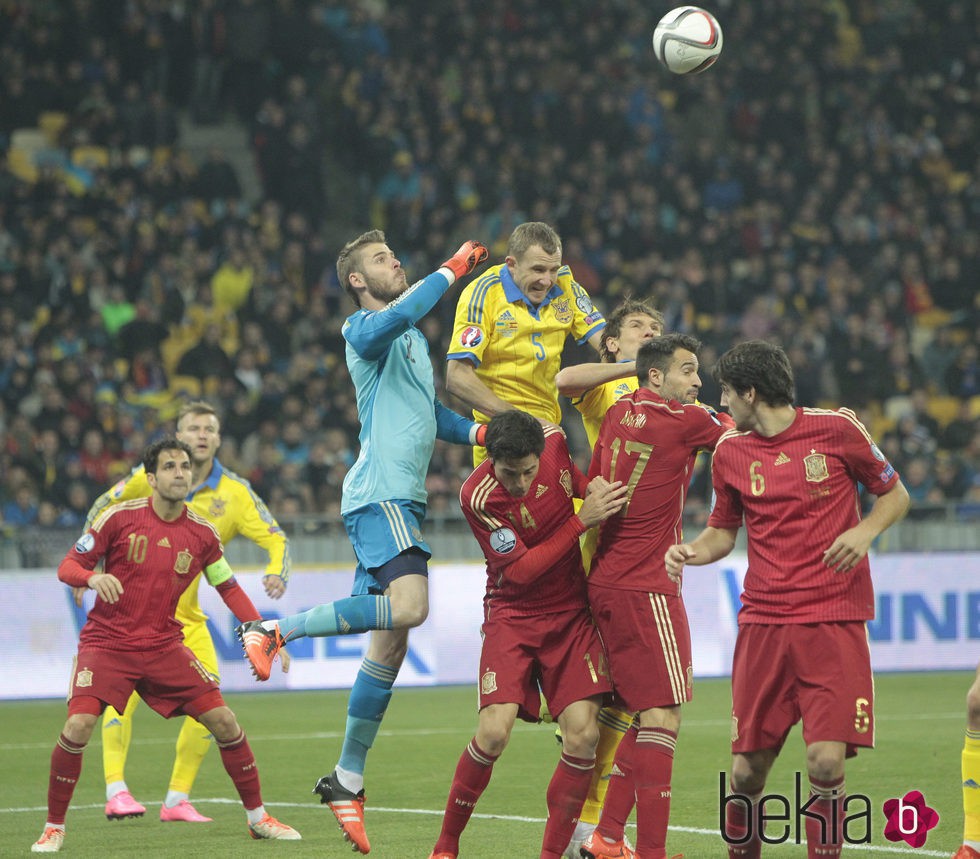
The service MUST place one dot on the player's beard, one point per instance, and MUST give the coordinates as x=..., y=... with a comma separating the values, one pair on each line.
x=388, y=290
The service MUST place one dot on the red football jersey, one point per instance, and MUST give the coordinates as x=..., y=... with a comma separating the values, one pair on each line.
x=155, y=561
x=797, y=492
x=506, y=527
x=650, y=444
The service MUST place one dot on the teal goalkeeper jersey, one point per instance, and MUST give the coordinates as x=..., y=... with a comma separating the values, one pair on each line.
x=401, y=417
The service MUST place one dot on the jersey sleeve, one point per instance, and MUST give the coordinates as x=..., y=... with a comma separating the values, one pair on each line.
x=450, y=426
x=133, y=486
x=865, y=460
x=726, y=512
x=256, y=523
x=501, y=545
x=472, y=325
x=371, y=332
x=586, y=318
x=703, y=427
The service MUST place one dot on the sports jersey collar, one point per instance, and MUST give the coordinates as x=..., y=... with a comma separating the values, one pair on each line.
x=513, y=292
x=645, y=393
x=211, y=481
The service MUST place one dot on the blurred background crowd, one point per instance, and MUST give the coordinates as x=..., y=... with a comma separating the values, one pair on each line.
x=819, y=186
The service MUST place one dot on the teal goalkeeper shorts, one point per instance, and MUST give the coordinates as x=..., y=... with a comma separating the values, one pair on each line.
x=383, y=531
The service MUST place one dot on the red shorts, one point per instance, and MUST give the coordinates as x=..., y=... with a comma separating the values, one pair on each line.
x=171, y=681
x=817, y=672
x=559, y=655
x=648, y=641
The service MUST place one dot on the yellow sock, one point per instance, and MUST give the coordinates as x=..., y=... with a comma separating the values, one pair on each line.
x=970, y=764
x=193, y=743
x=612, y=725
x=117, y=731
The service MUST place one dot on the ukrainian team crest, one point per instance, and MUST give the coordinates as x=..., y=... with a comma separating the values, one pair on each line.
x=217, y=508
x=182, y=566
x=563, y=310
x=470, y=337
x=83, y=678
x=816, y=467
x=488, y=682
x=566, y=481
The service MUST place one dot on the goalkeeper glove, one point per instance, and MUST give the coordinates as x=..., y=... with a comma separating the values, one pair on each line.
x=467, y=258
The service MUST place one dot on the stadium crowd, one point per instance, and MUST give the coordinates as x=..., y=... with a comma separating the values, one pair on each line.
x=819, y=186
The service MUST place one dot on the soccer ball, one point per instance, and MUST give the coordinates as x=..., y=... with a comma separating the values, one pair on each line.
x=687, y=40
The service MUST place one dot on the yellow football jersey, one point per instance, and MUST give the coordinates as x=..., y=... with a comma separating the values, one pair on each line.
x=515, y=346
x=593, y=405
x=228, y=502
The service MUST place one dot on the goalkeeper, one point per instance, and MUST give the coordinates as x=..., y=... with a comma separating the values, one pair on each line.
x=384, y=498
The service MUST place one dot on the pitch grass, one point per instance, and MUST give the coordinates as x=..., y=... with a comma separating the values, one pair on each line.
x=296, y=738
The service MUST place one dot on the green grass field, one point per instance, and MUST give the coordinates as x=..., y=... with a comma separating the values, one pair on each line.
x=296, y=738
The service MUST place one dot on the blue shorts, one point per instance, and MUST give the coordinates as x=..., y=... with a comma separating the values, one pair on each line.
x=380, y=532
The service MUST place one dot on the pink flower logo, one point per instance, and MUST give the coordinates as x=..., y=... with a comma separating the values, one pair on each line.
x=909, y=819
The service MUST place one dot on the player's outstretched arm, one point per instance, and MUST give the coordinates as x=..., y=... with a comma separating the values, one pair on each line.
x=454, y=428
x=371, y=333
x=710, y=545
x=575, y=380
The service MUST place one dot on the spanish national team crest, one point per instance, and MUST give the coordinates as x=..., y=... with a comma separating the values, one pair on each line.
x=182, y=566
x=563, y=310
x=816, y=467
x=83, y=678
x=488, y=682
x=734, y=728
x=566, y=481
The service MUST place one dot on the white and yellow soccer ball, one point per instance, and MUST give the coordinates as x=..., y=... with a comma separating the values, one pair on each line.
x=688, y=40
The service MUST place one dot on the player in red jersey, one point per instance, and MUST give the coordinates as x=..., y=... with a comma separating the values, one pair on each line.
x=649, y=440
x=792, y=475
x=537, y=630
x=153, y=548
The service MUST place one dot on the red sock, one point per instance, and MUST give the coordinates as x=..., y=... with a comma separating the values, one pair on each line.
x=240, y=764
x=652, y=765
x=825, y=836
x=66, y=766
x=738, y=819
x=469, y=781
x=621, y=794
x=566, y=795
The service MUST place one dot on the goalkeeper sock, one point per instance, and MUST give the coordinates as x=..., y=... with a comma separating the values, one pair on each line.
x=369, y=697
x=341, y=617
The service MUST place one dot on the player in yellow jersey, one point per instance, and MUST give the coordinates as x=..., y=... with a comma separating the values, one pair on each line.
x=593, y=388
x=511, y=326
x=970, y=768
x=228, y=502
